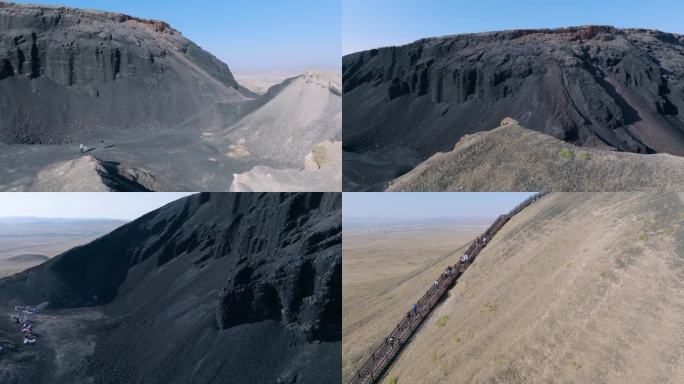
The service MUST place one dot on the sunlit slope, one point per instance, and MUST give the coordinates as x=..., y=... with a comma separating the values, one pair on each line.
x=578, y=288
x=514, y=158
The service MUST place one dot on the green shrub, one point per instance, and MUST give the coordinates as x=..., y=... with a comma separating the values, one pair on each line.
x=436, y=356
x=584, y=155
x=319, y=154
x=441, y=322
x=566, y=154
x=393, y=380
x=487, y=309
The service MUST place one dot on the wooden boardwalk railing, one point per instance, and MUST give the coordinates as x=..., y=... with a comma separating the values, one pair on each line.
x=383, y=356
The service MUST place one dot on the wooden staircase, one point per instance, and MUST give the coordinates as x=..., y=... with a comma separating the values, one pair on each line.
x=383, y=356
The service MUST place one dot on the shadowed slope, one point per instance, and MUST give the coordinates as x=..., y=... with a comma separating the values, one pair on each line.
x=204, y=287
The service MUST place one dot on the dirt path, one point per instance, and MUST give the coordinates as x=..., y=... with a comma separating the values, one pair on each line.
x=68, y=335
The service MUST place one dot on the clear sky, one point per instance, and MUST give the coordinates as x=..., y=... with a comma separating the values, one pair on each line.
x=245, y=34
x=370, y=24
x=96, y=205
x=429, y=204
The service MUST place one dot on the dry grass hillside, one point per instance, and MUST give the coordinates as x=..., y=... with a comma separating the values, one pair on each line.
x=578, y=288
x=384, y=273
x=514, y=158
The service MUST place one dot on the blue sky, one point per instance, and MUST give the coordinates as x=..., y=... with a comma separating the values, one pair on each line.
x=370, y=24
x=428, y=204
x=124, y=206
x=245, y=34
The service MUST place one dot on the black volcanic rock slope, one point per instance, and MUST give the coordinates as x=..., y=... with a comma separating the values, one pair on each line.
x=592, y=86
x=213, y=288
x=66, y=71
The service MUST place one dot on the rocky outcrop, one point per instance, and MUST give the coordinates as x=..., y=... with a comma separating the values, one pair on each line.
x=301, y=292
x=593, y=86
x=291, y=118
x=67, y=71
x=89, y=174
x=322, y=172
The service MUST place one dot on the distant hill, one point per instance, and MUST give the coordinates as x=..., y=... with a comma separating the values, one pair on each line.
x=29, y=241
x=28, y=258
x=14, y=227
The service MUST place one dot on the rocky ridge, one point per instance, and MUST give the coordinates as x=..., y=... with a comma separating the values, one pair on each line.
x=594, y=86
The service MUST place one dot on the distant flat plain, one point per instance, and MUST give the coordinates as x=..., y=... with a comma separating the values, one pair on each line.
x=385, y=264
x=26, y=242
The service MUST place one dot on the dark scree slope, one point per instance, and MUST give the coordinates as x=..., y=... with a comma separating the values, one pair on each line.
x=65, y=72
x=593, y=86
x=213, y=288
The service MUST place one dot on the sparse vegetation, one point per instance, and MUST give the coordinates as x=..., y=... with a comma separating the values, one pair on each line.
x=393, y=380
x=396, y=256
x=592, y=185
x=441, y=322
x=566, y=154
x=610, y=276
x=643, y=237
x=584, y=155
x=487, y=309
x=605, y=245
x=319, y=154
x=500, y=359
x=436, y=356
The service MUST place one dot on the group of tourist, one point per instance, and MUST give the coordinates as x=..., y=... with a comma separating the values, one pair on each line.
x=26, y=323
